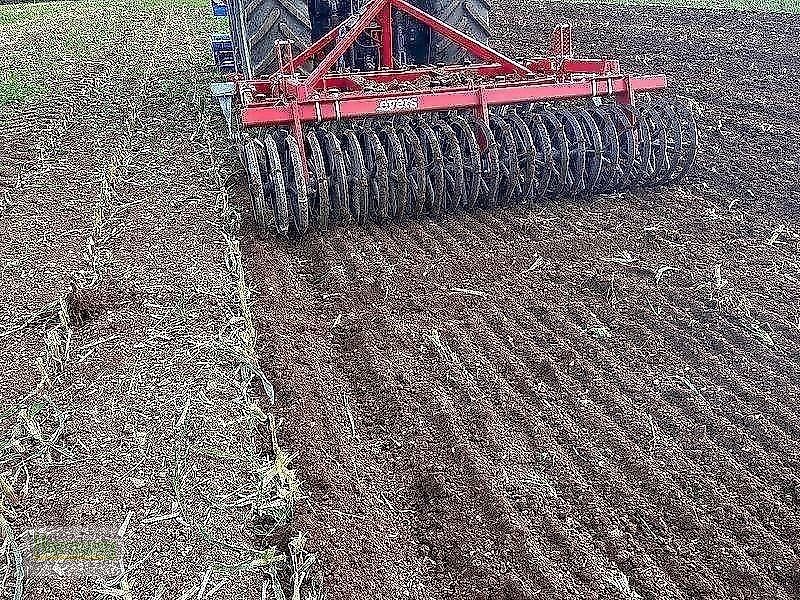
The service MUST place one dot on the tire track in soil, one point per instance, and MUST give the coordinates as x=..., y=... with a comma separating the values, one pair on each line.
x=356, y=378
x=363, y=351
x=587, y=311
x=546, y=528
x=501, y=336
x=649, y=488
x=341, y=470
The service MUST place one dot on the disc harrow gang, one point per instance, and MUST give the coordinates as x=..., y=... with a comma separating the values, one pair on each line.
x=402, y=167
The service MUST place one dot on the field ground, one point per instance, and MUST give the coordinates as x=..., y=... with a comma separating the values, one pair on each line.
x=592, y=399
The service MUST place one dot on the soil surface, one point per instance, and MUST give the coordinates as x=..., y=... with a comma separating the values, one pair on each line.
x=591, y=399
x=611, y=408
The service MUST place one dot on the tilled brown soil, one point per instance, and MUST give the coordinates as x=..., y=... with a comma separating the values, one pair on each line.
x=593, y=399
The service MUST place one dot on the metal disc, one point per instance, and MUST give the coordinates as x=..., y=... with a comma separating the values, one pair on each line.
x=252, y=154
x=453, y=167
x=274, y=184
x=377, y=168
x=294, y=179
x=559, y=152
x=434, y=167
x=337, y=176
x=415, y=161
x=356, y=176
x=490, y=162
x=544, y=164
x=318, y=184
x=471, y=158
x=690, y=138
x=658, y=144
x=526, y=157
x=609, y=157
x=641, y=169
x=673, y=143
x=626, y=140
x=594, y=149
x=575, y=182
x=507, y=154
x=398, y=171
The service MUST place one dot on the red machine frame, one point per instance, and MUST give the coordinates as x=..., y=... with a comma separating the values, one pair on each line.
x=291, y=97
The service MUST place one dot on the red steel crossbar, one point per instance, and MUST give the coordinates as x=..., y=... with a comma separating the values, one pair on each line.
x=354, y=105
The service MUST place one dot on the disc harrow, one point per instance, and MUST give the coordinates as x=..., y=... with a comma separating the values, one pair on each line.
x=382, y=170
x=325, y=145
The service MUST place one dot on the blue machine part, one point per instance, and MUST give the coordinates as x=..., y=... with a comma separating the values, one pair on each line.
x=222, y=49
x=220, y=8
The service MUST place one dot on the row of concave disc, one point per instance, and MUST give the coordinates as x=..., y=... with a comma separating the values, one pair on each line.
x=405, y=167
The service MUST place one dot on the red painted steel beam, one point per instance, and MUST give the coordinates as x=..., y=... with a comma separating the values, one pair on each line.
x=365, y=105
x=385, y=23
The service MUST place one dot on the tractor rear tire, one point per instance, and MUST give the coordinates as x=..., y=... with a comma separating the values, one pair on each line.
x=257, y=24
x=468, y=16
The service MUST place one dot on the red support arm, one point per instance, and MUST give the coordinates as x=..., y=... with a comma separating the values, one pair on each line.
x=387, y=41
